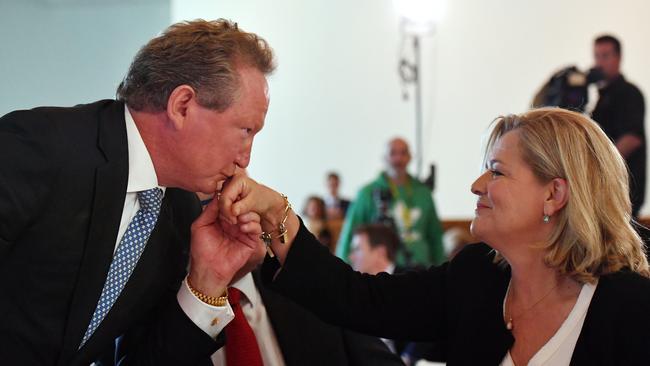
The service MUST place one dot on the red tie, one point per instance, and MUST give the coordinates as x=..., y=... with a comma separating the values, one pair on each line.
x=241, y=345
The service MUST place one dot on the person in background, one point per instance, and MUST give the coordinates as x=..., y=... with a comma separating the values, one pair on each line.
x=620, y=112
x=337, y=206
x=374, y=248
x=317, y=222
x=409, y=206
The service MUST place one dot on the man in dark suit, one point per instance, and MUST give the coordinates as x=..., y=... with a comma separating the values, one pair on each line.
x=374, y=248
x=336, y=206
x=620, y=112
x=96, y=221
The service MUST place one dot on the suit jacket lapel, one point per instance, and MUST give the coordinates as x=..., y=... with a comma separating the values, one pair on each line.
x=146, y=282
x=597, y=326
x=110, y=190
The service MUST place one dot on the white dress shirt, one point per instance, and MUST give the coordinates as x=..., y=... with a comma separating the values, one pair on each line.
x=255, y=313
x=559, y=349
x=142, y=176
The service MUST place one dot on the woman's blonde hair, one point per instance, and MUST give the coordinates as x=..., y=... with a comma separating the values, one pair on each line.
x=594, y=234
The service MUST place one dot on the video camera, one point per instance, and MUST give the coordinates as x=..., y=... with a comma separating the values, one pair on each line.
x=567, y=88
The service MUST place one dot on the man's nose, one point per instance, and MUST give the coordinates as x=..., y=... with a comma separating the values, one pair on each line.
x=243, y=160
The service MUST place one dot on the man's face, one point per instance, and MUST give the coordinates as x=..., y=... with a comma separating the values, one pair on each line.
x=213, y=144
x=363, y=257
x=607, y=59
x=398, y=156
x=333, y=185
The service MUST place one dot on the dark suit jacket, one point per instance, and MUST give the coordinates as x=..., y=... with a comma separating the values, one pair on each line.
x=344, y=205
x=63, y=176
x=458, y=304
x=306, y=340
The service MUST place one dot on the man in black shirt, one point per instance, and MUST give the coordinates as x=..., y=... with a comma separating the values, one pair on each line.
x=620, y=112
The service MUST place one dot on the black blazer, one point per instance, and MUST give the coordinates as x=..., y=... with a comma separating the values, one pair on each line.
x=345, y=204
x=458, y=304
x=306, y=340
x=63, y=176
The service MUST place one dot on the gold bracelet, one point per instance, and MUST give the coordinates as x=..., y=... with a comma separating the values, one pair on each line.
x=210, y=300
x=267, y=237
x=282, y=229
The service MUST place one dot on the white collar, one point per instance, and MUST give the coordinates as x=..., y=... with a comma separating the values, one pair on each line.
x=142, y=174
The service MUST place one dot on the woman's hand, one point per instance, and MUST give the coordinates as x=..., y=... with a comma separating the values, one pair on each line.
x=241, y=195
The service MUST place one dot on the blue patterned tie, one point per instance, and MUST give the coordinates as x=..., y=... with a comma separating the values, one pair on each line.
x=126, y=257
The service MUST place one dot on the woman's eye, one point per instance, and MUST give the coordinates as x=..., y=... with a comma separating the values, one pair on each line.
x=495, y=173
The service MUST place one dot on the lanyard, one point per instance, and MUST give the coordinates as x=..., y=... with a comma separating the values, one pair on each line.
x=406, y=210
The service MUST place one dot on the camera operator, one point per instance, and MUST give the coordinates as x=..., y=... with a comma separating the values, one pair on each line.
x=397, y=200
x=620, y=113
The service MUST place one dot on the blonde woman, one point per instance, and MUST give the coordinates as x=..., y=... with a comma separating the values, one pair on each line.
x=561, y=277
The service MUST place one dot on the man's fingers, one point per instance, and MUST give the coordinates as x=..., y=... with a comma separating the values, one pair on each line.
x=249, y=217
x=209, y=214
x=251, y=228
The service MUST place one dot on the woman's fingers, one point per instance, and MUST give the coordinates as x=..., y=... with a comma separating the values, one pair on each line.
x=235, y=190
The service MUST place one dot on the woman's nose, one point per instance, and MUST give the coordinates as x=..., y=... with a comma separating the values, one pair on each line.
x=478, y=187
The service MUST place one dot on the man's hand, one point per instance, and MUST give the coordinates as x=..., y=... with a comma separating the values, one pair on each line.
x=220, y=248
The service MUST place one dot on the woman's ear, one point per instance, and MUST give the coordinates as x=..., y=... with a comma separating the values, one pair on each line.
x=558, y=196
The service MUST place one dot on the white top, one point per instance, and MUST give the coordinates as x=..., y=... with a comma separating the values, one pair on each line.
x=142, y=176
x=255, y=313
x=559, y=349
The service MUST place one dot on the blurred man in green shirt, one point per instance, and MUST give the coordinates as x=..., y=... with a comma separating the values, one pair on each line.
x=409, y=206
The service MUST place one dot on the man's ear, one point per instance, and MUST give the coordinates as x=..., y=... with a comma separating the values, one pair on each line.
x=180, y=100
x=558, y=196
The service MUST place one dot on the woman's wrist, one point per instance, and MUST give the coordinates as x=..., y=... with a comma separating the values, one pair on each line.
x=276, y=213
x=276, y=229
x=281, y=249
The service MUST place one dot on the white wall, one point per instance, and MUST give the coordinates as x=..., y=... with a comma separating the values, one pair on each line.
x=336, y=97
x=66, y=52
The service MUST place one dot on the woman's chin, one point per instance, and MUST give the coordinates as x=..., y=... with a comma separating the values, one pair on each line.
x=477, y=228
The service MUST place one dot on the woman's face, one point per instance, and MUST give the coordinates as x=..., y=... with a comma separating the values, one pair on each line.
x=314, y=210
x=510, y=204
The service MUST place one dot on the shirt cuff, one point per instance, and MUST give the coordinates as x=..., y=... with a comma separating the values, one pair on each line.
x=210, y=319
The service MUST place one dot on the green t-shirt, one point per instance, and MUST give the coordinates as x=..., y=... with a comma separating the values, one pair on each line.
x=414, y=214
